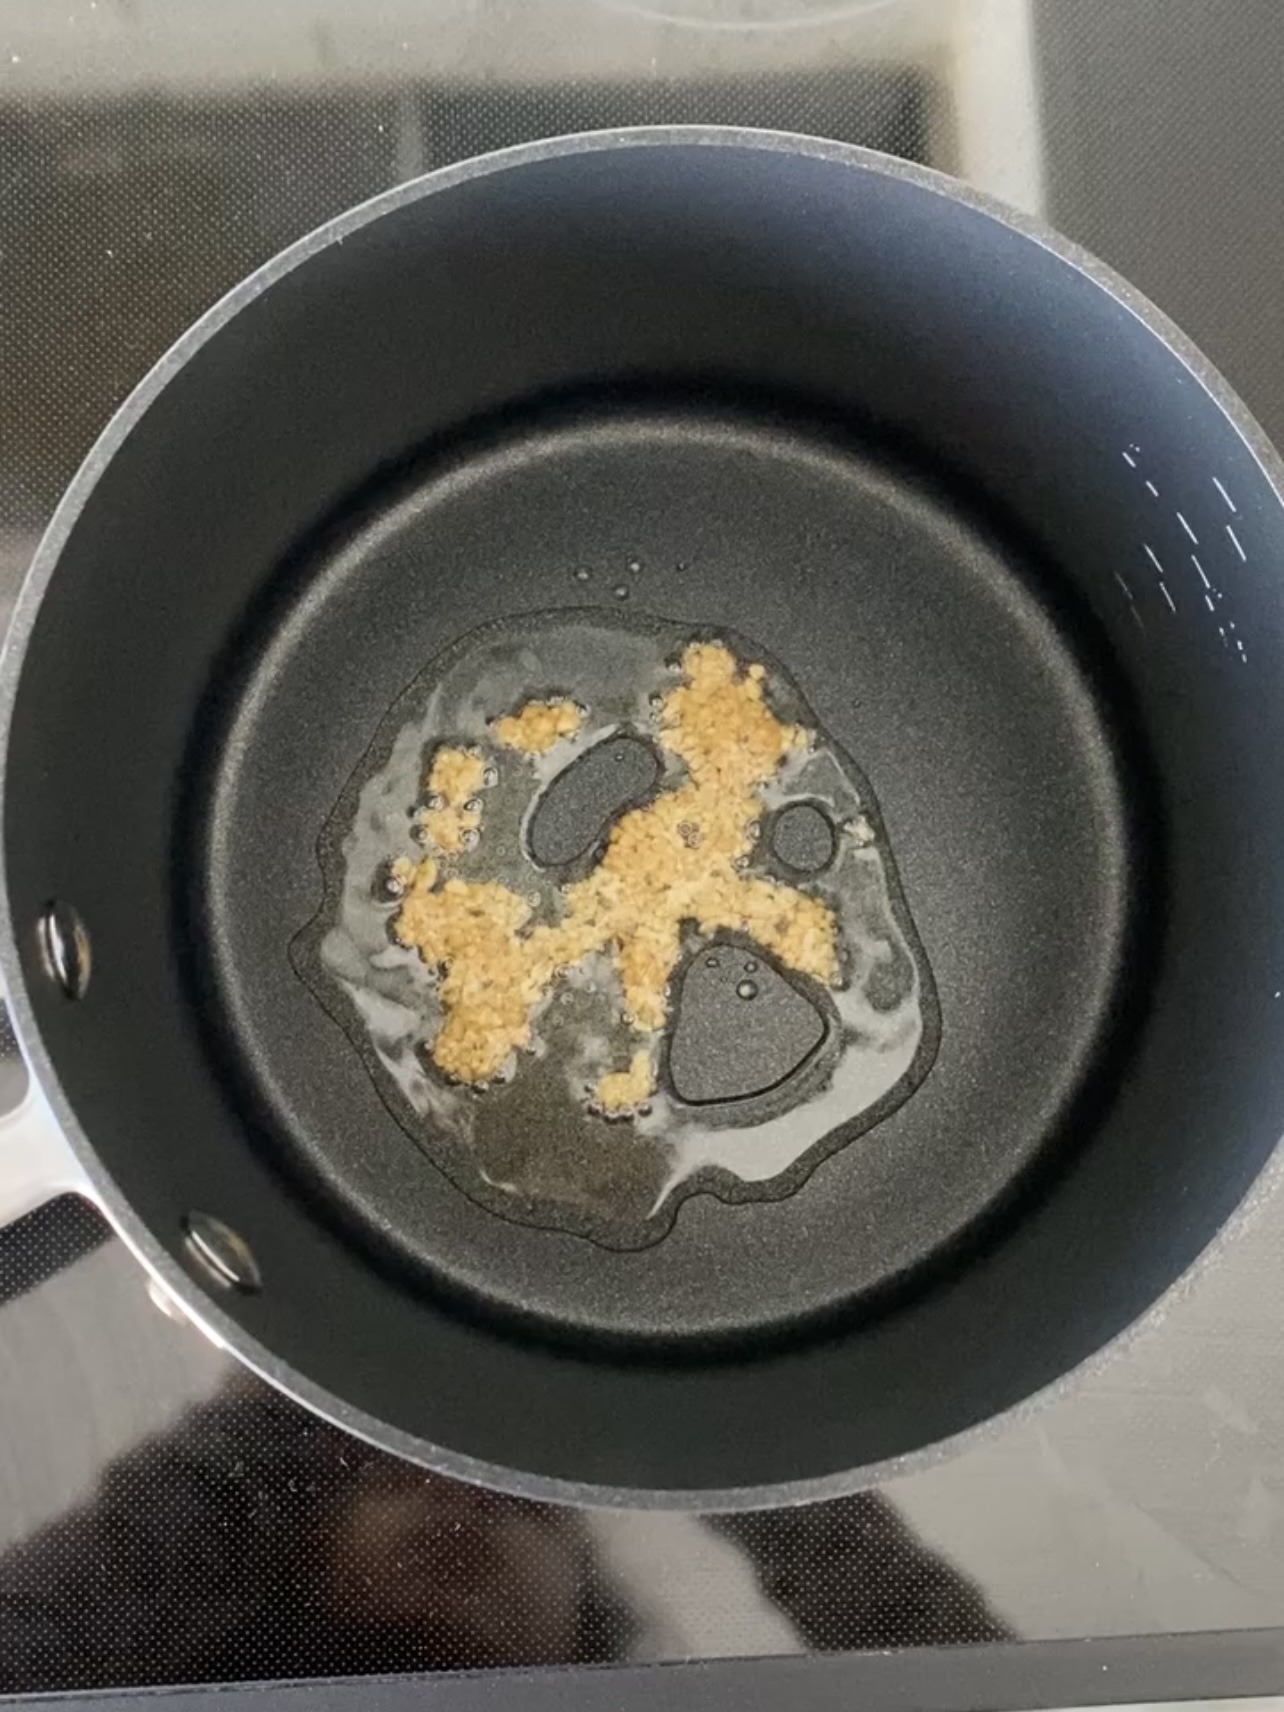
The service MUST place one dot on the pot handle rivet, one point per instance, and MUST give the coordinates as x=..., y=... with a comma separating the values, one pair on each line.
x=65, y=948
x=221, y=1253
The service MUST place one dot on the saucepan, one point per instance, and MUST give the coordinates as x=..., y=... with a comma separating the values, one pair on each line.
x=643, y=846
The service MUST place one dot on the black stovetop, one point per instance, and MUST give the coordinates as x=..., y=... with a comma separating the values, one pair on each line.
x=164, y=1518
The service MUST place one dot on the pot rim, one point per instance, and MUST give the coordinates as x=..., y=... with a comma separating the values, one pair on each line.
x=195, y=1303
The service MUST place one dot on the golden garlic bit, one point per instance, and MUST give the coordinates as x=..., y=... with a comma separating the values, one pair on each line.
x=408, y=875
x=534, y=729
x=453, y=817
x=489, y=985
x=622, y=1091
x=656, y=875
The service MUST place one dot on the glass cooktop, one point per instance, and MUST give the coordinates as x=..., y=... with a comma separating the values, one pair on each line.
x=165, y=1518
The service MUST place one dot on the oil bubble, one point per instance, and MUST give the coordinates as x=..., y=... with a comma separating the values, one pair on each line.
x=388, y=887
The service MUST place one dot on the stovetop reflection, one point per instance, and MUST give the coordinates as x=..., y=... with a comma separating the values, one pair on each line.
x=165, y=1517
x=247, y=1537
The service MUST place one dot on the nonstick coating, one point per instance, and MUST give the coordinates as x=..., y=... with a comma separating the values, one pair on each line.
x=900, y=617
x=1018, y=547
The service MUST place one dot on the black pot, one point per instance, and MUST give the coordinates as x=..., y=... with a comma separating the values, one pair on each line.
x=1016, y=546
